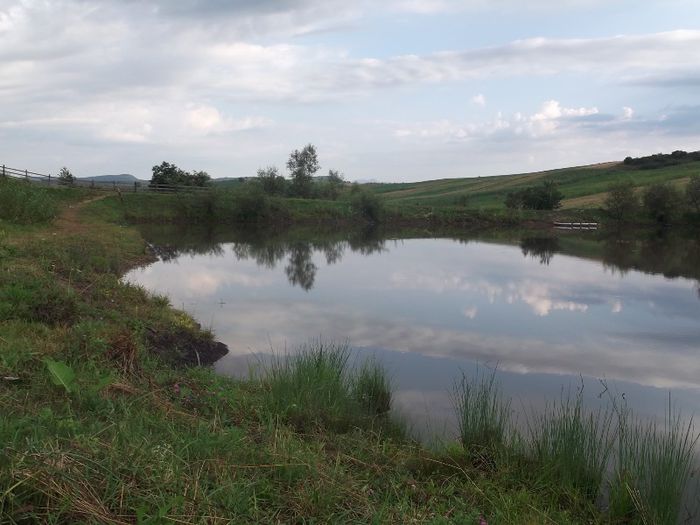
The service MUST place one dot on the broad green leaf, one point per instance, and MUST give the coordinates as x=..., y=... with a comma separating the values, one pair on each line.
x=61, y=374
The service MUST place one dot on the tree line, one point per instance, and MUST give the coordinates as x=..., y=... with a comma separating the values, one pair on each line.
x=662, y=160
x=660, y=202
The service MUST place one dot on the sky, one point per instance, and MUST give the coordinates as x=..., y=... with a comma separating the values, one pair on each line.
x=397, y=90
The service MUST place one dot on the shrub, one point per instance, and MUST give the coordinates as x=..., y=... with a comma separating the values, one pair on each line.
x=65, y=176
x=621, y=203
x=661, y=202
x=544, y=197
x=692, y=193
x=271, y=181
x=250, y=203
x=367, y=204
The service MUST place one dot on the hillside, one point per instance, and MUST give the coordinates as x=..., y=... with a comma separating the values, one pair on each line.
x=583, y=186
x=122, y=178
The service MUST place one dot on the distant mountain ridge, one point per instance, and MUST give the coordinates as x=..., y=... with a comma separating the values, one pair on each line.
x=121, y=178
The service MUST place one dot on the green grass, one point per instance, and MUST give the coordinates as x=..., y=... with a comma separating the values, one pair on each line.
x=483, y=415
x=96, y=427
x=24, y=203
x=653, y=466
x=570, y=450
x=583, y=187
x=317, y=386
x=573, y=445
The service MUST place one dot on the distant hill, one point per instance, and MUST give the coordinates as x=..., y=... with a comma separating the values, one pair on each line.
x=122, y=178
x=582, y=186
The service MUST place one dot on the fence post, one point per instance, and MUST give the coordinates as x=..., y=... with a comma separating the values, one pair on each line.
x=49, y=179
x=3, y=171
x=92, y=184
x=26, y=174
x=136, y=186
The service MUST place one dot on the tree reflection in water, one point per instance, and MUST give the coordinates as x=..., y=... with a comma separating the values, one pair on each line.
x=669, y=253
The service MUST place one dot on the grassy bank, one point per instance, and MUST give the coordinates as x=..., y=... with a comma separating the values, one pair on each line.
x=100, y=422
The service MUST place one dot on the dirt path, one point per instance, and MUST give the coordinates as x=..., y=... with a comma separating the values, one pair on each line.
x=69, y=220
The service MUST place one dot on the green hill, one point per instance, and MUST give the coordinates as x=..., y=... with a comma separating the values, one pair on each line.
x=583, y=186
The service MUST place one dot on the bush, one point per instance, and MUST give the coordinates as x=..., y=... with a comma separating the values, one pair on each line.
x=692, y=193
x=661, y=202
x=271, y=181
x=367, y=204
x=621, y=203
x=65, y=176
x=544, y=197
x=250, y=203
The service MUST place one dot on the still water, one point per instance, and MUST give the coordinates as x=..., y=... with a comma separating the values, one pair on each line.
x=551, y=310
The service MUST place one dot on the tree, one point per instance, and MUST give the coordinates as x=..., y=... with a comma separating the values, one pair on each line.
x=692, y=192
x=170, y=175
x=621, y=202
x=271, y=181
x=302, y=166
x=65, y=176
x=335, y=184
x=544, y=197
x=661, y=202
x=166, y=174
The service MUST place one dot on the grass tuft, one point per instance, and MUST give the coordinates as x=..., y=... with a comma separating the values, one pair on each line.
x=573, y=446
x=483, y=416
x=653, y=467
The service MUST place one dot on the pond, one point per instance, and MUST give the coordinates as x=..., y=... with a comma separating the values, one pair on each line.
x=615, y=314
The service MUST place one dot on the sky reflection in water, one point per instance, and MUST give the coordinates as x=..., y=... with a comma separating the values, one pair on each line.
x=428, y=307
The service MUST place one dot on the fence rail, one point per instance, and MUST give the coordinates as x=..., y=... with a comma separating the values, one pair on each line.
x=132, y=187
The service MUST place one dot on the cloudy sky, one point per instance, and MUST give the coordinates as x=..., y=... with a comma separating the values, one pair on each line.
x=396, y=90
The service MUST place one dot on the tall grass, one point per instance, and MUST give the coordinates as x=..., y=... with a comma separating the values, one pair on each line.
x=22, y=203
x=317, y=386
x=644, y=466
x=483, y=416
x=572, y=445
x=653, y=466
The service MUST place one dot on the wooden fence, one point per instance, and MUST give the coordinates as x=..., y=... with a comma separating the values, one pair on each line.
x=132, y=187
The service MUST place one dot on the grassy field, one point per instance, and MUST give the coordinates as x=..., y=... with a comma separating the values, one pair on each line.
x=102, y=422
x=583, y=187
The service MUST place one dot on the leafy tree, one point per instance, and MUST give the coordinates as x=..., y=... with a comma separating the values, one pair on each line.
x=197, y=178
x=271, y=181
x=334, y=184
x=65, y=176
x=170, y=175
x=302, y=166
x=621, y=202
x=692, y=192
x=661, y=202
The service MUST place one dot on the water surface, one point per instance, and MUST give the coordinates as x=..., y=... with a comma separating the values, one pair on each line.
x=550, y=310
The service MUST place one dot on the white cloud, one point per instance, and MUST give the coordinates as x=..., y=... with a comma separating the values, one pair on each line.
x=547, y=120
x=627, y=112
x=479, y=100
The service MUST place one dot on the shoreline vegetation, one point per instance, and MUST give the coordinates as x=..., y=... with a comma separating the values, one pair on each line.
x=98, y=422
